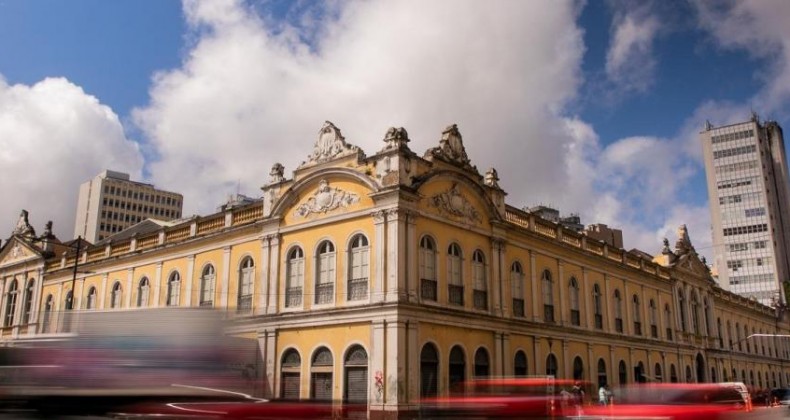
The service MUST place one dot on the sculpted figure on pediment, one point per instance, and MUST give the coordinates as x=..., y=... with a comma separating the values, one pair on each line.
x=326, y=199
x=330, y=144
x=453, y=203
x=23, y=227
x=451, y=147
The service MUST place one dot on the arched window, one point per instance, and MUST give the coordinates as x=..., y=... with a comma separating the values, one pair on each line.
x=27, y=312
x=321, y=375
x=713, y=375
x=551, y=365
x=91, y=300
x=359, y=268
x=356, y=375
x=69, y=300
x=294, y=278
x=548, y=296
x=573, y=289
x=738, y=336
x=48, y=307
x=290, y=366
x=143, y=290
x=174, y=289
x=639, y=373
x=618, y=311
x=520, y=364
x=207, y=281
x=597, y=307
x=325, y=273
x=720, y=333
x=457, y=371
x=517, y=288
x=706, y=316
x=602, y=380
x=482, y=364
x=578, y=368
x=668, y=321
x=622, y=373
x=429, y=371
x=657, y=373
x=480, y=291
x=673, y=374
x=10, y=303
x=246, y=281
x=455, y=280
x=729, y=334
x=116, y=295
x=695, y=326
x=682, y=306
x=637, y=314
x=689, y=378
x=653, y=319
x=745, y=338
x=427, y=268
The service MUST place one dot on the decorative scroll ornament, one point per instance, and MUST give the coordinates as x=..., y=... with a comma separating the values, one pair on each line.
x=330, y=144
x=326, y=199
x=451, y=147
x=452, y=203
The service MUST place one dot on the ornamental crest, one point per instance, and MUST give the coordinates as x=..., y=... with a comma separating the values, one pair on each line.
x=330, y=144
x=452, y=203
x=451, y=147
x=325, y=200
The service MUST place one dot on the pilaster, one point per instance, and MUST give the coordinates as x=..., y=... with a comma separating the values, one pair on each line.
x=103, y=289
x=128, y=290
x=267, y=343
x=412, y=258
x=396, y=290
x=562, y=284
x=380, y=252
x=533, y=273
x=495, y=283
x=588, y=301
x=274, y=274
x=157, y=285
x=225, y=278
x=262, y=305
x=378, y=357
x=189, y=280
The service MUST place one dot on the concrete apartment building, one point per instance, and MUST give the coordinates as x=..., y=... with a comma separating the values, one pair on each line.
x=111, y=202
x=748, y=191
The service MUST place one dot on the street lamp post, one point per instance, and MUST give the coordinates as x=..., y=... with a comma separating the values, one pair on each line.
x=70, y=304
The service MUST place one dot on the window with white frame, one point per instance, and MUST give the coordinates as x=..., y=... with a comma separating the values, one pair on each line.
x=480, y=291
x=455, y=281
x=573, y=289
x=174, y=289
x=10, y=303
x=548, y=296
x=668, y=321
x=695, y=325
x=27, y=313
x=207, y=282
x=636, y=310
x=48, y=307
x=143, y=293
x=116, y=295
x=325, y=273
x=294, y=278
x=428, y=289
x=517, y=288
x=91, y=301
x=618, y=311
x=597, y=307
x=653, y=313
x=246, y=278
x=359, y=268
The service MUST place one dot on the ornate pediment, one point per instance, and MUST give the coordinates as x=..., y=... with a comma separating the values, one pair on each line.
x=454, y=204
x=16, y=250
x=326, y=199
x=330, y=145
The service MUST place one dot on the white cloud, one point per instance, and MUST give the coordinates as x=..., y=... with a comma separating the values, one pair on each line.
x=249, y=94
x=630, y=64
x=53, y=137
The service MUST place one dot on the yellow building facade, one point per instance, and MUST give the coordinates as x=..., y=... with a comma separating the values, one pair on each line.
x=387, y=278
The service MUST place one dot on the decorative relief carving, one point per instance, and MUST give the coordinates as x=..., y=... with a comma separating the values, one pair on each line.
x=326, y=199
x=396, y=138
x=378, y=216
x=330, y=144
x=277, y=174
x=453, y=203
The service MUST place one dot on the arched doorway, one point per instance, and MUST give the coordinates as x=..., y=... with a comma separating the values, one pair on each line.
x=457, y=371
x=602, y=373
x=551, y=365
x=356, y=375
x=520, y=364
x=429, y=371
x=290, y=377
x=321, y=375
x=700, y=363
x=639, y=373
x=578, y=368
x=482, y=364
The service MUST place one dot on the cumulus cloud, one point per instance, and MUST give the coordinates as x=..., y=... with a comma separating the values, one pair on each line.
x=53, y=137
x=251, y=93
x=630, y=62
x=760, y=29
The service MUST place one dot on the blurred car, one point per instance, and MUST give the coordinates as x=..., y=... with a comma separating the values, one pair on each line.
x=500, y=397
x=780, y=396
x=258, y=410
x=707, y=401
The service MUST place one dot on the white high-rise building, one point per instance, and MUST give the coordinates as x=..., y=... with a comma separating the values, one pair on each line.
x=749, y=198
x=111, y=202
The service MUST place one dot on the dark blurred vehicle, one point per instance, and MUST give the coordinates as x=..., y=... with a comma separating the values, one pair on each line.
x=710, y=401
x=780, y=397
x=501, y=397
x=259, y=410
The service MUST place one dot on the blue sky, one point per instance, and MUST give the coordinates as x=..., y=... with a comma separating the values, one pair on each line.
x=599, y=100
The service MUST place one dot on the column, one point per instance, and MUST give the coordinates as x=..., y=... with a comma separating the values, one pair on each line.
x=664, y=371
x=225, y=279
x=189, y=280
x=507, y=358
x=645, y=301
x=129, y=288
x=588, y=301
x=649, y=369
x=77, y=296
x=378, y=356
x=567, y=368
x=413, y=362
x=534, y=281
x=395, y=377
x=380, y=240
x=267, y=342
x=631, y=364
x=157, y=285
x=628, y=307
x=396, y=263
x=607, y=297
x=37, y=301
x=613, y=367
x=660, y=315
x=562, y=284
x=592, y=367
x=412, y=262
x=495, y=283
x=496, y=358
x=262, y=306
x=102, y=291
x=535, y=355
x=274, y=274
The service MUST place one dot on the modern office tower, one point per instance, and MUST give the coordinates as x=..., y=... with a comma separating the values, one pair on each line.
x=749, y=197
x=111, y=202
